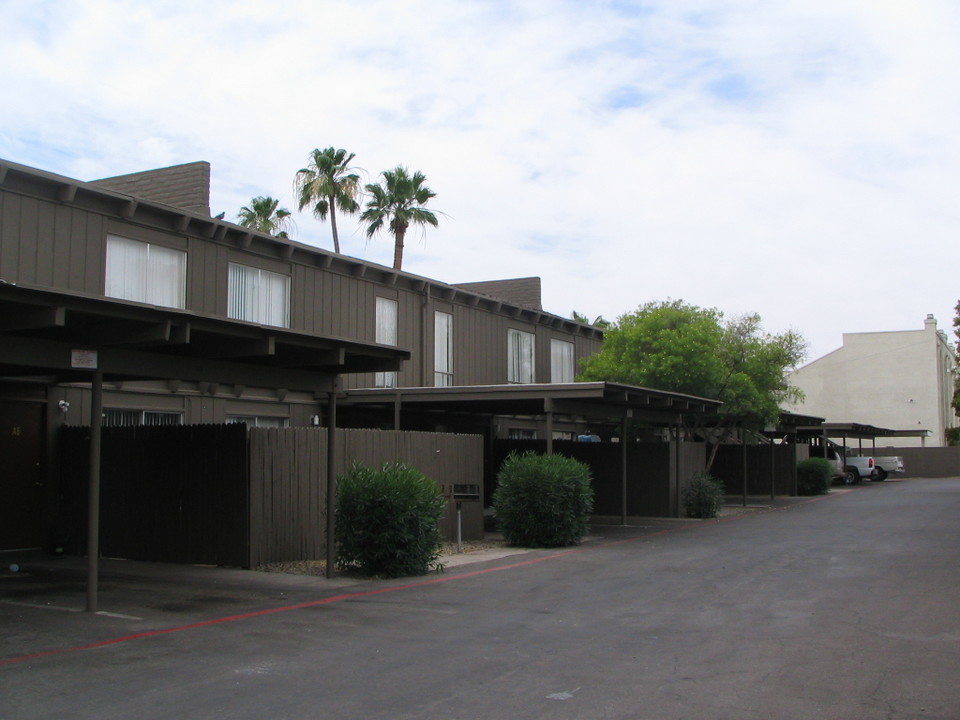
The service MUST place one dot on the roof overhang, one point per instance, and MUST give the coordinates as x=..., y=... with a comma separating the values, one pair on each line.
x=594, y=400
x=63, y=337
x=150, y=213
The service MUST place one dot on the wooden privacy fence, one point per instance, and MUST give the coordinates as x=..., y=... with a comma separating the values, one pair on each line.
x=288, y=481
x=169, y=493
x=765, y=465
x=652, y=472
x=220, y=494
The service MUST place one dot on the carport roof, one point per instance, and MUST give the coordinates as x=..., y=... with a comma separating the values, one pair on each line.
x=858, y=430
x=595, y=400
x=42, y=330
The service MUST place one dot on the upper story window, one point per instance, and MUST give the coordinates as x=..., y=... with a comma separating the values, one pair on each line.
x=386, y=335
x=442, y=349
x=145, y=272
x=259, y=296
x=561, y=361
x=520, y=356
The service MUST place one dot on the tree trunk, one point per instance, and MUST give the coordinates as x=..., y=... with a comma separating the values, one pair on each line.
x=398, y=248
x=724, y=434
x=711, y=456
x=333, y=226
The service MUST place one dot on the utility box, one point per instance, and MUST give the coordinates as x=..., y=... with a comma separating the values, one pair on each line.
x=466, y=492
x=468, y=499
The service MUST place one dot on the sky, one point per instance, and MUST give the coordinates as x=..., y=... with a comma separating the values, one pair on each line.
x=799, y=159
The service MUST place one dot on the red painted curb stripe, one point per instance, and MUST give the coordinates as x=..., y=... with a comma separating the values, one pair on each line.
x=382, y=591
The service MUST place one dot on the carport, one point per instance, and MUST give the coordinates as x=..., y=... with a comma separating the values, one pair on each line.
x=600, y=403
x=858, y=432
x=50, y=337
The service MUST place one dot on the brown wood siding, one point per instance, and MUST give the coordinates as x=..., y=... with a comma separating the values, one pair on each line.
x=206, y=277
x=12, y=240
x=288, y=481
x=410, y=336
x=47, y=242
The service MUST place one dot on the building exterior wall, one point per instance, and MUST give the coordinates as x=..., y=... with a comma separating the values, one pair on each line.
x=901, y=380
x=53, y=234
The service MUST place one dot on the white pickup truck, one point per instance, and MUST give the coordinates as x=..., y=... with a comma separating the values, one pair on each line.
x=862, y=466
x=888, y=464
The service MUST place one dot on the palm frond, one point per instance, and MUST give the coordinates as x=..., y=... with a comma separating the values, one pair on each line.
x=398, y=201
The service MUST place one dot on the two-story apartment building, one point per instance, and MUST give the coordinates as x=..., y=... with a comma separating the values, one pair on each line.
x=149, y=239
x=124, y=299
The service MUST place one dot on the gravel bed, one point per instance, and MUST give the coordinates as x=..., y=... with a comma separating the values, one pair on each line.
x=319, y=567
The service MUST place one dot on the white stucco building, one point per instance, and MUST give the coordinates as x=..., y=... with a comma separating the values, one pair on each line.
x=901, y=380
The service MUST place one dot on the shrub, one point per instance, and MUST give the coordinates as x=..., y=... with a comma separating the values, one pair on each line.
x=543, y=500
x=702, y=497
x=814, y=476
x=388, y=521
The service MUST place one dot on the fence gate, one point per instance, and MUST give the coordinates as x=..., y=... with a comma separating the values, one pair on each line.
x=167, y=494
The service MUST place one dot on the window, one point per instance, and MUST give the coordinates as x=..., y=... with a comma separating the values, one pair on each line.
x=386, y=335
x=521, y=434
x=115, y=417
x=145, y=273
x=519, y=356
x=561, y=361
x=258, y=421
x=258, y=296
x=442, y=349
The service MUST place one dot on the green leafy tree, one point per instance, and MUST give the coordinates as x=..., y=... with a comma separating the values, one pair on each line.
x=264, y=215
x=398, y=202
x=328, y=183
x=686, y=349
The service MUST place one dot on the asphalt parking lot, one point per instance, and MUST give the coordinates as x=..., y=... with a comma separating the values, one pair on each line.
x=840, y=607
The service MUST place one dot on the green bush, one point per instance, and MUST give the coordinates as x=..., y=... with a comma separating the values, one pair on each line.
x=388, y=521
x=814, y=476
x=543, y=500
x=702, y=497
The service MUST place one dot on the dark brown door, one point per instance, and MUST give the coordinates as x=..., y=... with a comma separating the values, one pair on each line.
x=21, y=479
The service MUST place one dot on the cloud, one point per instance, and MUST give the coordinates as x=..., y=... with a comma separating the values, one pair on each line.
x=796, y=159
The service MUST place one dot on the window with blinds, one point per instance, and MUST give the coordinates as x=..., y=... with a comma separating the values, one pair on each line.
x=561, y=361
x=117, y=417
x=258, y=296
x=520, y=356
x=442, y=349
x=386, y=335
x=145, y=273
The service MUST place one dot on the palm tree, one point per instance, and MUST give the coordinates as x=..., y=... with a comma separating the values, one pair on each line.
x=398, y=201
x=328, y=183
x=263, y=215
x=600, y=321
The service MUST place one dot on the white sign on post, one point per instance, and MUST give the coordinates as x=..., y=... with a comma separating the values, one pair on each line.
x=84, y=359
